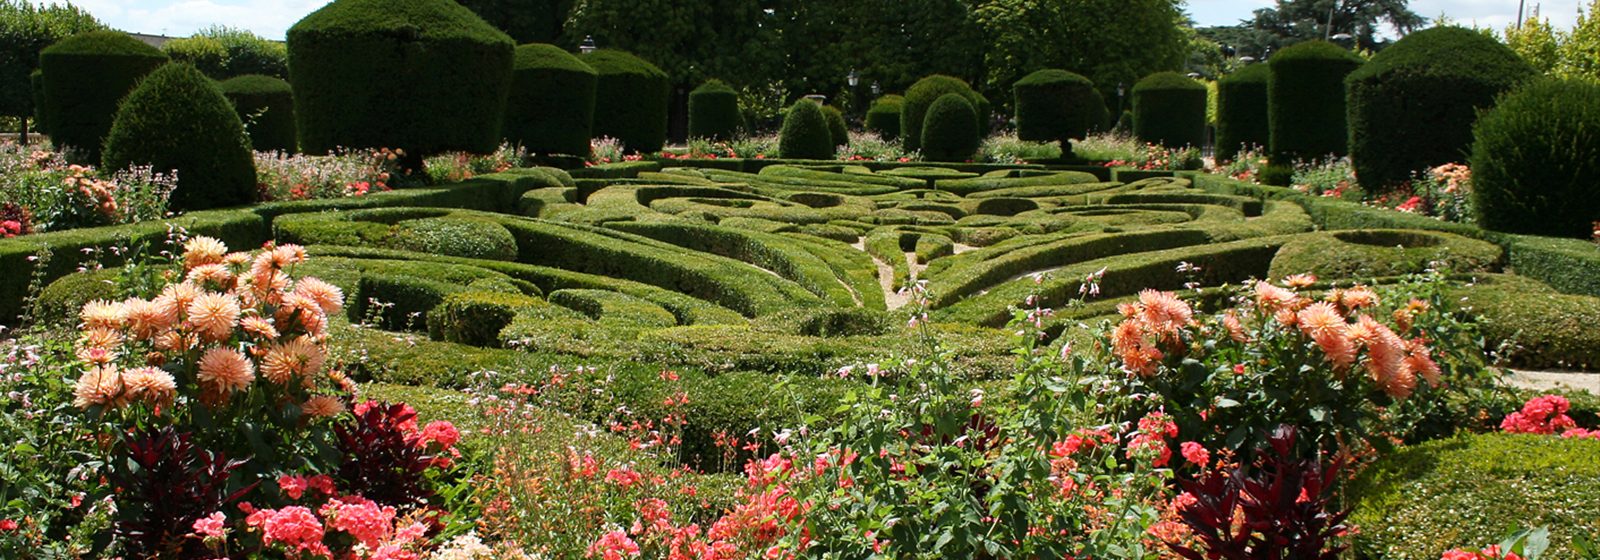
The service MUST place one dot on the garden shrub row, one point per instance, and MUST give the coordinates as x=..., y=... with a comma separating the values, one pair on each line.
x=781, y=255
x=1549, y=329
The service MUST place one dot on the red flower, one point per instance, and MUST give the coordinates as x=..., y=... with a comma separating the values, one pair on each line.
x=1195, y=453
x=8, y=525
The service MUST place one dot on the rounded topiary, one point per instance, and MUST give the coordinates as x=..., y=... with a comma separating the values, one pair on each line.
x=178, y=120
x=950, y=132
x=424, y=76
x=714, y=111
x=1056, y=106
x=837, y=129
x=631, y=101
x=266, y=104
x=1242, y=111
x=1536, y=160
x=1169, y=109
x=85, y=77
x=1413, y=106
x=805, y=133
x=883, y=118
x=551, y=108
x=1306, y=107
x=920, y=97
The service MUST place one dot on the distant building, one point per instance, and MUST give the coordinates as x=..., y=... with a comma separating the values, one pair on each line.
x=156, y=41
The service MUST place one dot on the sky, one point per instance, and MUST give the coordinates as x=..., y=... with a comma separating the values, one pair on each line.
x=269, y=18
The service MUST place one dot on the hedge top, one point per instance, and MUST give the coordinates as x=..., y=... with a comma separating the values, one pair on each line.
x=1164, y=81
x=549, y=57
x=889, y=102
x=255, y=84
x=713, y=86
x=1051, y=76
x=103, y=43
x=609, y=62
x=1445, y=52
x=1315, y=52
x=1252, y=74
x=410, y=20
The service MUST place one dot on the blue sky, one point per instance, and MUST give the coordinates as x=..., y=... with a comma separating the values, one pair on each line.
x=270, y=18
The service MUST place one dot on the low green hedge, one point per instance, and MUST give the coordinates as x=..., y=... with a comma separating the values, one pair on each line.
x=1549, y=329
x=424, y=230
x=1366, y=254
x=617, y=170
x=1466, y=492
x=883, y=118
x=614, y=308
x=476, y=317
x=784, y=256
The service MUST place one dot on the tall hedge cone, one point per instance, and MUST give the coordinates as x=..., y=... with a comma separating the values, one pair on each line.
x=805, y=133
x=178, y=120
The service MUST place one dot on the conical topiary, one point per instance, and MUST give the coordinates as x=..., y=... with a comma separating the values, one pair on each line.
x=714, y=111
x=177, y=120
x=837, y=130
x=920, y=97
x=805, y=133
x=950, y=131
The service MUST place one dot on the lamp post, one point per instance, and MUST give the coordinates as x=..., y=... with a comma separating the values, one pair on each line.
x=587, y=46
x=1327, y=33
x=1340, y=38
x=1122, y=88
x=876, y=89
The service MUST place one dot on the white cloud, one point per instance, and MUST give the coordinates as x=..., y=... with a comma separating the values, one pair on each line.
x=178, y=18
x=1498, y=14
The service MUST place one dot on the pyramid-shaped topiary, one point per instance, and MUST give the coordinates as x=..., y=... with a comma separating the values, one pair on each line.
x=950, y=131
x=177, y=120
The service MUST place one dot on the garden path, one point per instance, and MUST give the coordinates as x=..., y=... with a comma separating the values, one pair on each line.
x=1546, y=380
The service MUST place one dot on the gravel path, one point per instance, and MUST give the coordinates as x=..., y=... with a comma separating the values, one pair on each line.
x=1545, y=380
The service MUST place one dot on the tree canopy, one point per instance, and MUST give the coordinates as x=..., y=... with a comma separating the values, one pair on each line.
x=25, y=29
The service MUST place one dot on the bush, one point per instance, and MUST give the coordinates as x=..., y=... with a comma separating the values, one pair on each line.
x=177, y=120
x=805, y=133
x=1057, y=105
x=476, y=318
x=1368, y=254
x=1413, y=106
x=1242, y=111
x=714, y=111
x=631, y=100
x=266, y=105
x=222, y=53
x=1536, y=161
x=837, y=130
x=551, y=108
x=1424, y=500
x=1551, y=330
x=424, y=76
x=950, y=132
x=85, y=78
x=920, y=97
x=472, y=238
x=883, y=118
x=1306, y=101
x=1169, y=109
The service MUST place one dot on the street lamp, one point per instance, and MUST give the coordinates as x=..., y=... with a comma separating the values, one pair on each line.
x=876, y=88
x=854, y=79
x=587, y=46
x=1247, y=59
x=1121, y=89
x=1194, y=75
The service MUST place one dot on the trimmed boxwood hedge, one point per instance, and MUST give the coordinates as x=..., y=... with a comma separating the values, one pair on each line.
x=476, y=317
x=920, y=97
x=1169, y=109
x=805, y=133
x=425, y=76
x=950, y=132
x=1306, y=107
x=85, y=77
x=1536, y=160
x=714, y=111
x=266, y=105
x=1550, y=329
x=1057, y=105
x=1367, y=254
x=1417, y=503
x=630, y=100
x=178, y=120
x=883, y=118
x=1412, y=107
x=551, y=108
x=837, y=130
x=1242, y=111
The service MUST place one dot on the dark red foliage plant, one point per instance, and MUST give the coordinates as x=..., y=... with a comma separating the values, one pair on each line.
x=164, y=486
x=381, y=458
x=1278, y=510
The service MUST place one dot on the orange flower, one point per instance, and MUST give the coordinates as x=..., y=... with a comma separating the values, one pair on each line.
x=296, y=358
x=225, y=371
x=98, y=386
x=1320, y=320
x=103, y=314
x=216, y=275
x=149, y=318
x=1359, y=297
x=214, y=315
x=327, y=296
x=151, y=384
x=1299, y=281
x=1420, y=359
x=322, y=406
x=1273, y=298
x=203, y=250
x=258, y=327
x=1164, y=313
x=1235, y=328
x=180, y=295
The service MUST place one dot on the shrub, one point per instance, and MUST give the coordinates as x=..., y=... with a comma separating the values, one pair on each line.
x=837, y=130
x=476, y=318
x=423, y=76
x=1056, y=105
x=714, y=111
x=1306, y=101
x=1242, y=111
x=85, y=77
x=1536, y=161
x=178, y=120
x=920, y=97
x=883, y=118
x=223, y=52
x=1413, y=106
x=631, y=100
x=805, y=133
x=551, y=109
x=266, y=105
x=1551, y=330
x=1169, y=109
x=1421, y=501
x=950, y=132
x=472, y=238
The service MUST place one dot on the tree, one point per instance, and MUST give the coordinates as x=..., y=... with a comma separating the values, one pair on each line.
x=1294, y=21
x=732, y=40
x=224, y=52
x=526, y=21
x=25, y=29
x=1580, y=53
x=1536, y=42
x=1090, y=37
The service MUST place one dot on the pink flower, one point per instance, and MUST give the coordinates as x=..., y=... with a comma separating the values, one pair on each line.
x=8, y=525
x=363, y=519
x=294, y=527
x=292, y=486
x=442, y=433
x=613, y=546
x=212, y=527
x=1195, y=453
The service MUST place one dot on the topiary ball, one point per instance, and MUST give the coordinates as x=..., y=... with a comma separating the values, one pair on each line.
x=551, y=108
x=1056, y=106
x=425, y=76
x=85, y=77
x=1169, y=109
x=1413, y=106
x=631, y=100
x=714, y=111
x=1536, y=160
x=266, y=104
x=883, y=118
x=1306, y=109
x=837, y=129
x=805, y=133
x=1242, y=111
x=920, y=97
x=178, y=120
x=950, y=132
